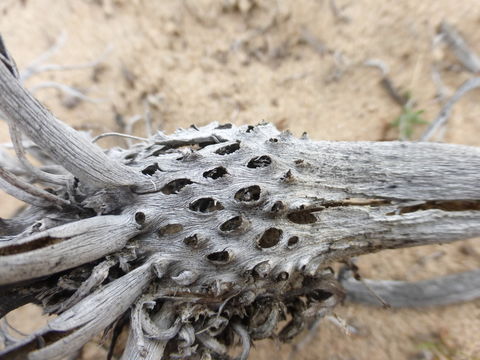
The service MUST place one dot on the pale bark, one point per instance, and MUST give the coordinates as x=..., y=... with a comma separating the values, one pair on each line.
x=77, y=154
x=85, y=319
x=445, y=290
x=64, y=247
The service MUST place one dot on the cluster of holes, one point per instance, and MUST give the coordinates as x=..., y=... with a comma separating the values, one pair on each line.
x=215, y=173
x=232, y=224
x=259, y=162
x=174, y=186
x=302, y=217
x=205, y=205
x=228, y=149
x=250, y=193
x=170, y=229
x=151, y=169
x=219, y=257
x=270, y=238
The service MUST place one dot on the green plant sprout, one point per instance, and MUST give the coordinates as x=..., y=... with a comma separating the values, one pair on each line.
x=408, y=119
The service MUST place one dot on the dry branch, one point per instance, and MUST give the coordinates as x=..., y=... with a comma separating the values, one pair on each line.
x=83, y=159
x=446, y=110
x=443, y=290
x=51, y=251
x=213, y=236
x=462, y=51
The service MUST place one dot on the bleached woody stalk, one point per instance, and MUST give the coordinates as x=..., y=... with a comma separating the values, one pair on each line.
x=208, y=237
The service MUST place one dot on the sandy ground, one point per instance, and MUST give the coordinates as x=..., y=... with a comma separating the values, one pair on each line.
x=293, y=63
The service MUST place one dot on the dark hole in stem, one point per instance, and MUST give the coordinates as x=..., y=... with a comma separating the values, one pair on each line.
x=175, y=186
x=224, y=126
x=219, y=257
x=278, y=206
x=131, y=156
x=215, y=173
x=270, y=238
x=191, y=240
x=320, y=295
x=302, y=217
x=251, y=193
x=228, y=149
x=140, y=218
x=231, y=224
x=151, y=169
x=205, y=205
x=259, y=162
x=292, y=241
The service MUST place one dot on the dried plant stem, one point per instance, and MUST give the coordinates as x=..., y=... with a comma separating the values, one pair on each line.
x=16, y=137
x=88, y=239
x=444, y=290
x=446, y=110
x=61, y=142
x=15, y=186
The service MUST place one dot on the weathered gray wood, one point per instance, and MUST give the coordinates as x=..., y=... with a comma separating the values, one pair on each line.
x=152, y=350
x=97, y=277
x=446, y=111
x=467, y=57
x=445, y=290
x=64, y=247
x=83, y=159
x=85, y=319
x=22, y=195
x=21, y=189
x=38, y=174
